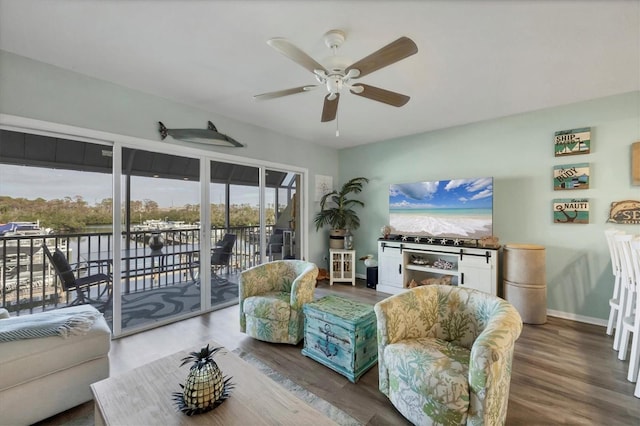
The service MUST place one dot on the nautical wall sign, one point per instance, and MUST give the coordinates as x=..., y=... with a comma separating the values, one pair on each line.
x=627, y=212
x=571, y=176
x=571, y=210
x=572, y=142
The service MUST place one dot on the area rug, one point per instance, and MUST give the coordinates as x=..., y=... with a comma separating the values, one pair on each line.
x=155, y=305
x=331, y=411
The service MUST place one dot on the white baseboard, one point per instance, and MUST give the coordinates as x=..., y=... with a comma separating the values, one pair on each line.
x=554, y=313
x=579, y=318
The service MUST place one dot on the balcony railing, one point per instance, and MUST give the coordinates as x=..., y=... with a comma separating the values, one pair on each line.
x=28, y=282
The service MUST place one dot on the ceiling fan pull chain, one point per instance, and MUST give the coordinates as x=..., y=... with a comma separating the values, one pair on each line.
x=337, y=130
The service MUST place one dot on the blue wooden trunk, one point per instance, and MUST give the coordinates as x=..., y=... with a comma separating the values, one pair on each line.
x=341, y=334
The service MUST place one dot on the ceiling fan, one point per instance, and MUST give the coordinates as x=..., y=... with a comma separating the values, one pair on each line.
x=338, y=76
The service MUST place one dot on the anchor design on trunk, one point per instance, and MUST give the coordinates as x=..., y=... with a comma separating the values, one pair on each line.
x=323, y=345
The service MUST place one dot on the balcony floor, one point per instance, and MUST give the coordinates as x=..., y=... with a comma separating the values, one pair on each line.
x=147, y=307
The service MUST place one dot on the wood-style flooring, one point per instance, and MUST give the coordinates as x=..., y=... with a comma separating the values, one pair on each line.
x=564, y=372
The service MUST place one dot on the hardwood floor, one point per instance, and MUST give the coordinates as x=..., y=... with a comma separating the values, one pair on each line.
x=564, y=372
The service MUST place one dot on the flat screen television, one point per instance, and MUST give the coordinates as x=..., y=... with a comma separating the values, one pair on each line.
x=455, y=208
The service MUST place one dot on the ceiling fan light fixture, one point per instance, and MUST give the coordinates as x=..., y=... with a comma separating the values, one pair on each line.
x=320, y=75
x=353, y=73
x=356, y=89
x=334, y=84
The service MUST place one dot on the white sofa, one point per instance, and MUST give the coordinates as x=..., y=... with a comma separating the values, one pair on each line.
x=44, y=376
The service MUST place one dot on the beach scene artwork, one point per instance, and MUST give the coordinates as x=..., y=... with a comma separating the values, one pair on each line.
x=456, y=208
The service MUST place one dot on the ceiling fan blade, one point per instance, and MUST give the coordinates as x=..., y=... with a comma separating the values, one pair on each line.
x=381, y=95
x=280, y=93
x=294, y=53
x=391, y=53
x=330, y=108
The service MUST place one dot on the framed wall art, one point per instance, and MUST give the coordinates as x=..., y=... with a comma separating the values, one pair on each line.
x=324, y=185
x=572, y=142
x=571, y=210
x=635, y=163
x=571, y=176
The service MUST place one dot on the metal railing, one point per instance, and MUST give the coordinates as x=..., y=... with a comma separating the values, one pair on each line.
x=29, y=283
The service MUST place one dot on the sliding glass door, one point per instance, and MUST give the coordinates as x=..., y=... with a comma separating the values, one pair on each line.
x=55, y=198
x=283, y=215
x=261, y=207
x=178, y=259
x=161, y=238
x=235, y=226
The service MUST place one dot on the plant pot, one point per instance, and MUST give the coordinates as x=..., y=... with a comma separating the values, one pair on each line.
x=336, y=238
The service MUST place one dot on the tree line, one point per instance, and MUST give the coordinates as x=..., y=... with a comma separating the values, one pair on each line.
x=74, y=214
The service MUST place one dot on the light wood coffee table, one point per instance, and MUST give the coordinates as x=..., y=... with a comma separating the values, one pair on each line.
x=143, y=396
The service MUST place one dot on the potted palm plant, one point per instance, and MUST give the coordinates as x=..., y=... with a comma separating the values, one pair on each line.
x=337, y=211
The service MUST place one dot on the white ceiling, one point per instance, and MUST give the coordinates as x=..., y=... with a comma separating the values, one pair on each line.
x=477, y=60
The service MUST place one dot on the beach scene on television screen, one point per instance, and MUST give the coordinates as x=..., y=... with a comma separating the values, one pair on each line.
x=456, y=208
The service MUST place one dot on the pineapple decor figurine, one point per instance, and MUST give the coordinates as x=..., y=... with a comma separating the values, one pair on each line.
x=205, y=388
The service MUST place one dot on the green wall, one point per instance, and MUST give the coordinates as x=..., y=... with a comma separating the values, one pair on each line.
x=518, y=152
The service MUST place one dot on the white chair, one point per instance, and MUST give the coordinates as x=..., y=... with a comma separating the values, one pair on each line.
x=630, y=319
x=614, y=302
x=633, y=323
x=619, y=240
x=636, y=250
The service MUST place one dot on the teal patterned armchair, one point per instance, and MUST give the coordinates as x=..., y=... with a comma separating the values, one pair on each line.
x=271, y=299
x=445, y=353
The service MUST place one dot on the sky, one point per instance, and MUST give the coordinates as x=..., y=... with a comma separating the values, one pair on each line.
x=455, y=193
x=49, y=184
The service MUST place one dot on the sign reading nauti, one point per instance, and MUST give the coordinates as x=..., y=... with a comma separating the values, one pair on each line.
x=571, y=210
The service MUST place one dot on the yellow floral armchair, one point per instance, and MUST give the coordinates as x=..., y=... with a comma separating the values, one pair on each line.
x=271, y=298
x=445, y=353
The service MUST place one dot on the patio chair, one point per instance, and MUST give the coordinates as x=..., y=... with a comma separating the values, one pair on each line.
x=221, y=255
x=72, y=282
x=275, y=245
